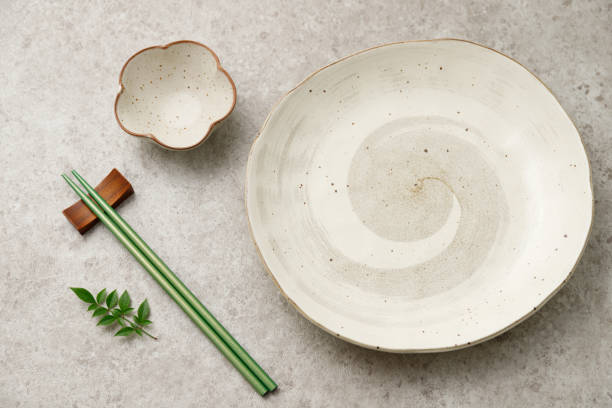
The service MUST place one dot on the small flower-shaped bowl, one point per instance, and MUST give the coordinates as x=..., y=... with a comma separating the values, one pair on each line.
x=174, y=95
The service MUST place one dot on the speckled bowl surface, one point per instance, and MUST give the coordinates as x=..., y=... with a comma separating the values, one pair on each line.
x=175, y=95
x=419, y=196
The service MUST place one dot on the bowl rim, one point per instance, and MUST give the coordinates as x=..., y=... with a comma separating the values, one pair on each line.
x=417, y=350
x=152, y=136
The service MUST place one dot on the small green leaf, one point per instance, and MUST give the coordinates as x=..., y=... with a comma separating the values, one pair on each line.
x=124, y=300
x=84, y=295
x=100, y=311
x=125, y=331
x=101, y=296
x=144, y=310
x=106, y=320
x=111, y=300
x=119, y=310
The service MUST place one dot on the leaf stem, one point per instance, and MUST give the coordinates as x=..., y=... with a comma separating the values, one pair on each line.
x=139, y=327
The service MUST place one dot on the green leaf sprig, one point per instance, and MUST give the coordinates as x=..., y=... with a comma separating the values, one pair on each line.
x=117, y=310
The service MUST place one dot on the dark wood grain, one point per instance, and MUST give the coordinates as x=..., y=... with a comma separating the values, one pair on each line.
x=114, y=189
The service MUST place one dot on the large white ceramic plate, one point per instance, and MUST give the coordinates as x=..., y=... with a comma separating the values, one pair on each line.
x=419, y=196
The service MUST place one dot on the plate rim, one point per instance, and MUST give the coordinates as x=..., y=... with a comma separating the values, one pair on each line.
x=418, y=350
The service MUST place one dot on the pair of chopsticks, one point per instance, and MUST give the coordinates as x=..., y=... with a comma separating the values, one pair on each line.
x=217, y=334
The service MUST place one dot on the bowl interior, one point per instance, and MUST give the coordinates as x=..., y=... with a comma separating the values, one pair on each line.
x=419, y=196
x=176, y=94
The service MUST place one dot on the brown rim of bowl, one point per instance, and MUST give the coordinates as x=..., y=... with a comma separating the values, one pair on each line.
x=422, y=350
x=152, y=136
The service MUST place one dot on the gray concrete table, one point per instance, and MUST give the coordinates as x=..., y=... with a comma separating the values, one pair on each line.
x=59, y=68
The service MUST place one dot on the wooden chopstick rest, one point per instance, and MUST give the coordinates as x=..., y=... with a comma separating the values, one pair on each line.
x=114, y=188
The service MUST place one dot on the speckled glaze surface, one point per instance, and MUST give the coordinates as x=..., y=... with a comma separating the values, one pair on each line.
x=419, y=196
x=174, y=94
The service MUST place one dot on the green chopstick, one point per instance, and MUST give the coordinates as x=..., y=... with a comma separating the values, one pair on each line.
x=159, y=278
x=179, y=285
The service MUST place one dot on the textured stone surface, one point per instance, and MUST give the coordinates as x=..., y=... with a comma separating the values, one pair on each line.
x=58, y=76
